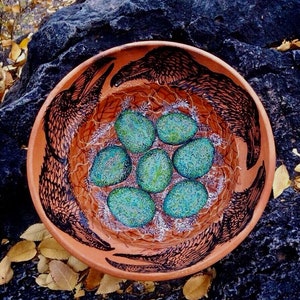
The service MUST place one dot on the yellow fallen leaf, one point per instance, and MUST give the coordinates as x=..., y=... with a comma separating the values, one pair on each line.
x=76, y=264
x=50, y=248
x=6, y=272
x=197, y=286
x=24, y=43
x=281, y=181
x=297, y=168
x=63, y=276
x=109, y=284
x=36, y=232
x=93, y=279
x=22, y=251
x=43, y=264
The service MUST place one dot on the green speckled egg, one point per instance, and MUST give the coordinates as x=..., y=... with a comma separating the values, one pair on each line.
x=176, y=128
x=131, y=206
x=195, y=158
x=135, y=131
x=185, y=199
x=111, y=165
x=154, y=171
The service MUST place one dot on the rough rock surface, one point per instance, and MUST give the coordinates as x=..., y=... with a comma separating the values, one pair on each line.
x=266, y=265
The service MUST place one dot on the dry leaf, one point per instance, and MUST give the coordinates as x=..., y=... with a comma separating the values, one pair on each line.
x=2, y=81
x=36, y=232
x=295, y=44
x=93, y=279
x=16, y=8
x=281, y=181
x=22, y=251
x=51, y=284
x=43, y=264
x=41, y=280
x=4, y=241
x=289, y=45
x=109, y=284
x=50, y=248
x=6, y=43
x=197, y=286
x=63, y=276
x=79, y=292
x=6, y=272
x=24, y=43
x=76, y=264
x=149, y=286
x=297, y=168
x=285, y=45
x=15, y=51
x=296, y=183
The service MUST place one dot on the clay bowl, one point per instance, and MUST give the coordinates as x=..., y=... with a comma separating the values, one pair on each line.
x=151, y=161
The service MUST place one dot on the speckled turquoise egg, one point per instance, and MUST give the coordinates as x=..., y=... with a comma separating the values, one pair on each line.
x=135, y=131
x=131, y=206
x=195, y=158
x=176, y=128
x=185, y=199
x=154, y=171
x=111, y=165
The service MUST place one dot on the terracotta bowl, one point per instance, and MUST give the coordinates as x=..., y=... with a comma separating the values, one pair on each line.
x=151, y=161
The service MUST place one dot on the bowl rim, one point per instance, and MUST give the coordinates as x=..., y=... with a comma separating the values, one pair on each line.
x=216, y=254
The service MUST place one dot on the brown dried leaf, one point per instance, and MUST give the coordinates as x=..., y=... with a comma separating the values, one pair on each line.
x=6, y=272
x=285, y=45
x=2, y=81
x=296, y=183
x=93, y=279
x=6, y=43
x=295, y=44
x=16, y=8
x=281, y=181
x=109, y=284
x=63, y=276
x=76, y=264
x=149, y=286
x=289, y=45
x=36, y=232
x=79, y=292
x=51, y=284
x=22, y=251
x=197, y=286
x=43, y=264
x=50, y=248
x=15, y=51
x=4, y=241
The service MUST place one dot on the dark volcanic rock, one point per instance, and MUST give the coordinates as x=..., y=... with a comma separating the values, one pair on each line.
x=266, y=265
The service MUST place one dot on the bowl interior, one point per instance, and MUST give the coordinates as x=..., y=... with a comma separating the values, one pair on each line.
x=97, y=192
